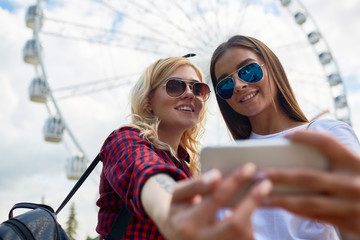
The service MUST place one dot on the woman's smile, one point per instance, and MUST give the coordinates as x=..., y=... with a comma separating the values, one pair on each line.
x=249, y=96
x=185, y=108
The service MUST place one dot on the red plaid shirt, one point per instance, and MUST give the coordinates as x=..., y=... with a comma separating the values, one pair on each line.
x=128, y=162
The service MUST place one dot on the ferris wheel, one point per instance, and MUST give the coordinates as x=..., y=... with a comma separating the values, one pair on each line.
x=86, y=58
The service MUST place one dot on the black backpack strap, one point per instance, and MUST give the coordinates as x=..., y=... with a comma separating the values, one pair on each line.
x=120, y=225
x=118, y=229
x=79, y=183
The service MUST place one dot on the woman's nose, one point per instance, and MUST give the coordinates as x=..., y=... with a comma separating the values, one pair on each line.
x=239, y=84
x=188, y=91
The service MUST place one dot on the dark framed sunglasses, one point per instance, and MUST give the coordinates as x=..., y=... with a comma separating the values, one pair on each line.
x=175, y=87
x=251, y=73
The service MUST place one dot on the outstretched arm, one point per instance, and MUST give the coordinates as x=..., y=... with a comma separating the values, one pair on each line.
x=190, y=213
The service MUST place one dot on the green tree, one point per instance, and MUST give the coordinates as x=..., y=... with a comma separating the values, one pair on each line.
x=90, y=238
x=71, y=223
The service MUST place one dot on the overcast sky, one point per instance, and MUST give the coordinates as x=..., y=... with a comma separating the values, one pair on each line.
x=32, y=169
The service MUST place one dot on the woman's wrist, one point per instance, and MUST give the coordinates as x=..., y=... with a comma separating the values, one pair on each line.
x=156, y=197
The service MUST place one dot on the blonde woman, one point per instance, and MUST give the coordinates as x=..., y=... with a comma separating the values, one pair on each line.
x=145, y=160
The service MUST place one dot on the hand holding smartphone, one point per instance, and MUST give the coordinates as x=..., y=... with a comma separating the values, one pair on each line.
x=272, y=153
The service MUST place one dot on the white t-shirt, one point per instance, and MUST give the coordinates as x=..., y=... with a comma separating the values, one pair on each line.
x=337, y=129
x=279, y=224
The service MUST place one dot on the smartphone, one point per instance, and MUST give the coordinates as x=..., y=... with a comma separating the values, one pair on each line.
x=264, y=153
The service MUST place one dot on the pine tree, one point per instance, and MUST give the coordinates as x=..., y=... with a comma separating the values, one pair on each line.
x=90, y=238
x=71, y=223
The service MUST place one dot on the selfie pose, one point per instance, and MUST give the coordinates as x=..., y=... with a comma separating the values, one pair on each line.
x=144, y=161
x=257, y=102
x=335, y=196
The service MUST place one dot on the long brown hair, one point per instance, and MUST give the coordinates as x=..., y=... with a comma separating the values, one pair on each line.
x=239, y=125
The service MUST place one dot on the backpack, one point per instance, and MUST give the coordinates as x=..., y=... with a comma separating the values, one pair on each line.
x=40, y=222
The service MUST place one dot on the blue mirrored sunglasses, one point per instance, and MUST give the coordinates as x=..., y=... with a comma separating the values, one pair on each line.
x=251, y=73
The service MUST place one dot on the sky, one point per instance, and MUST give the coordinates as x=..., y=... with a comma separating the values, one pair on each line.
x=91, y=79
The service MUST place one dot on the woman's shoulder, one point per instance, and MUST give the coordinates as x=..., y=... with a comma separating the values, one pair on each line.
x=127, y=130
x=338, y=129
x=124, y=133
x=123, y=138
x=327, y=124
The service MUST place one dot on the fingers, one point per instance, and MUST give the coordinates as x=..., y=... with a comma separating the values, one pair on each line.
x=216, y=196
x=336, y=200
x=231, y=185
x=189, y=188
x=252, y=200
x=299, y=178
x=256, y=196
x=338, y=211
x=238, y=225
x=209, y=184
x=314, y=206
x=346, y=186
x=340, y=156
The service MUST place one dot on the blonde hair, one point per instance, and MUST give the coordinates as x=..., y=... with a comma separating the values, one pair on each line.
x=143, y=119
x=239, y=125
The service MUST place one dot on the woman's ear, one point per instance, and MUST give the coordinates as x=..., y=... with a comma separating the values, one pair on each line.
x=149, y=104
x=149, y=108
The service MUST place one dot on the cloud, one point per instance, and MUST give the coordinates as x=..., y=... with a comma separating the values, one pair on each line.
x=32, y=168
x=9, y=5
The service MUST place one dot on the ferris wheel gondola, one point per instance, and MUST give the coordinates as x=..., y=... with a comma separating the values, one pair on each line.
x=38, y=90
x=138, y=30
x=75, y=166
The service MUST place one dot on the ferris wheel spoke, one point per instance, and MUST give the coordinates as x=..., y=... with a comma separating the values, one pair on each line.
x=306, y=77
x=298, y=46
x=138, y=20
x=140, y=47
x=104, y=32
x=82, y=92
x=197, y=27
x=92, y=87
x=108, y=37
x=240, y=18
x=208, y=28
x=163, y=14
